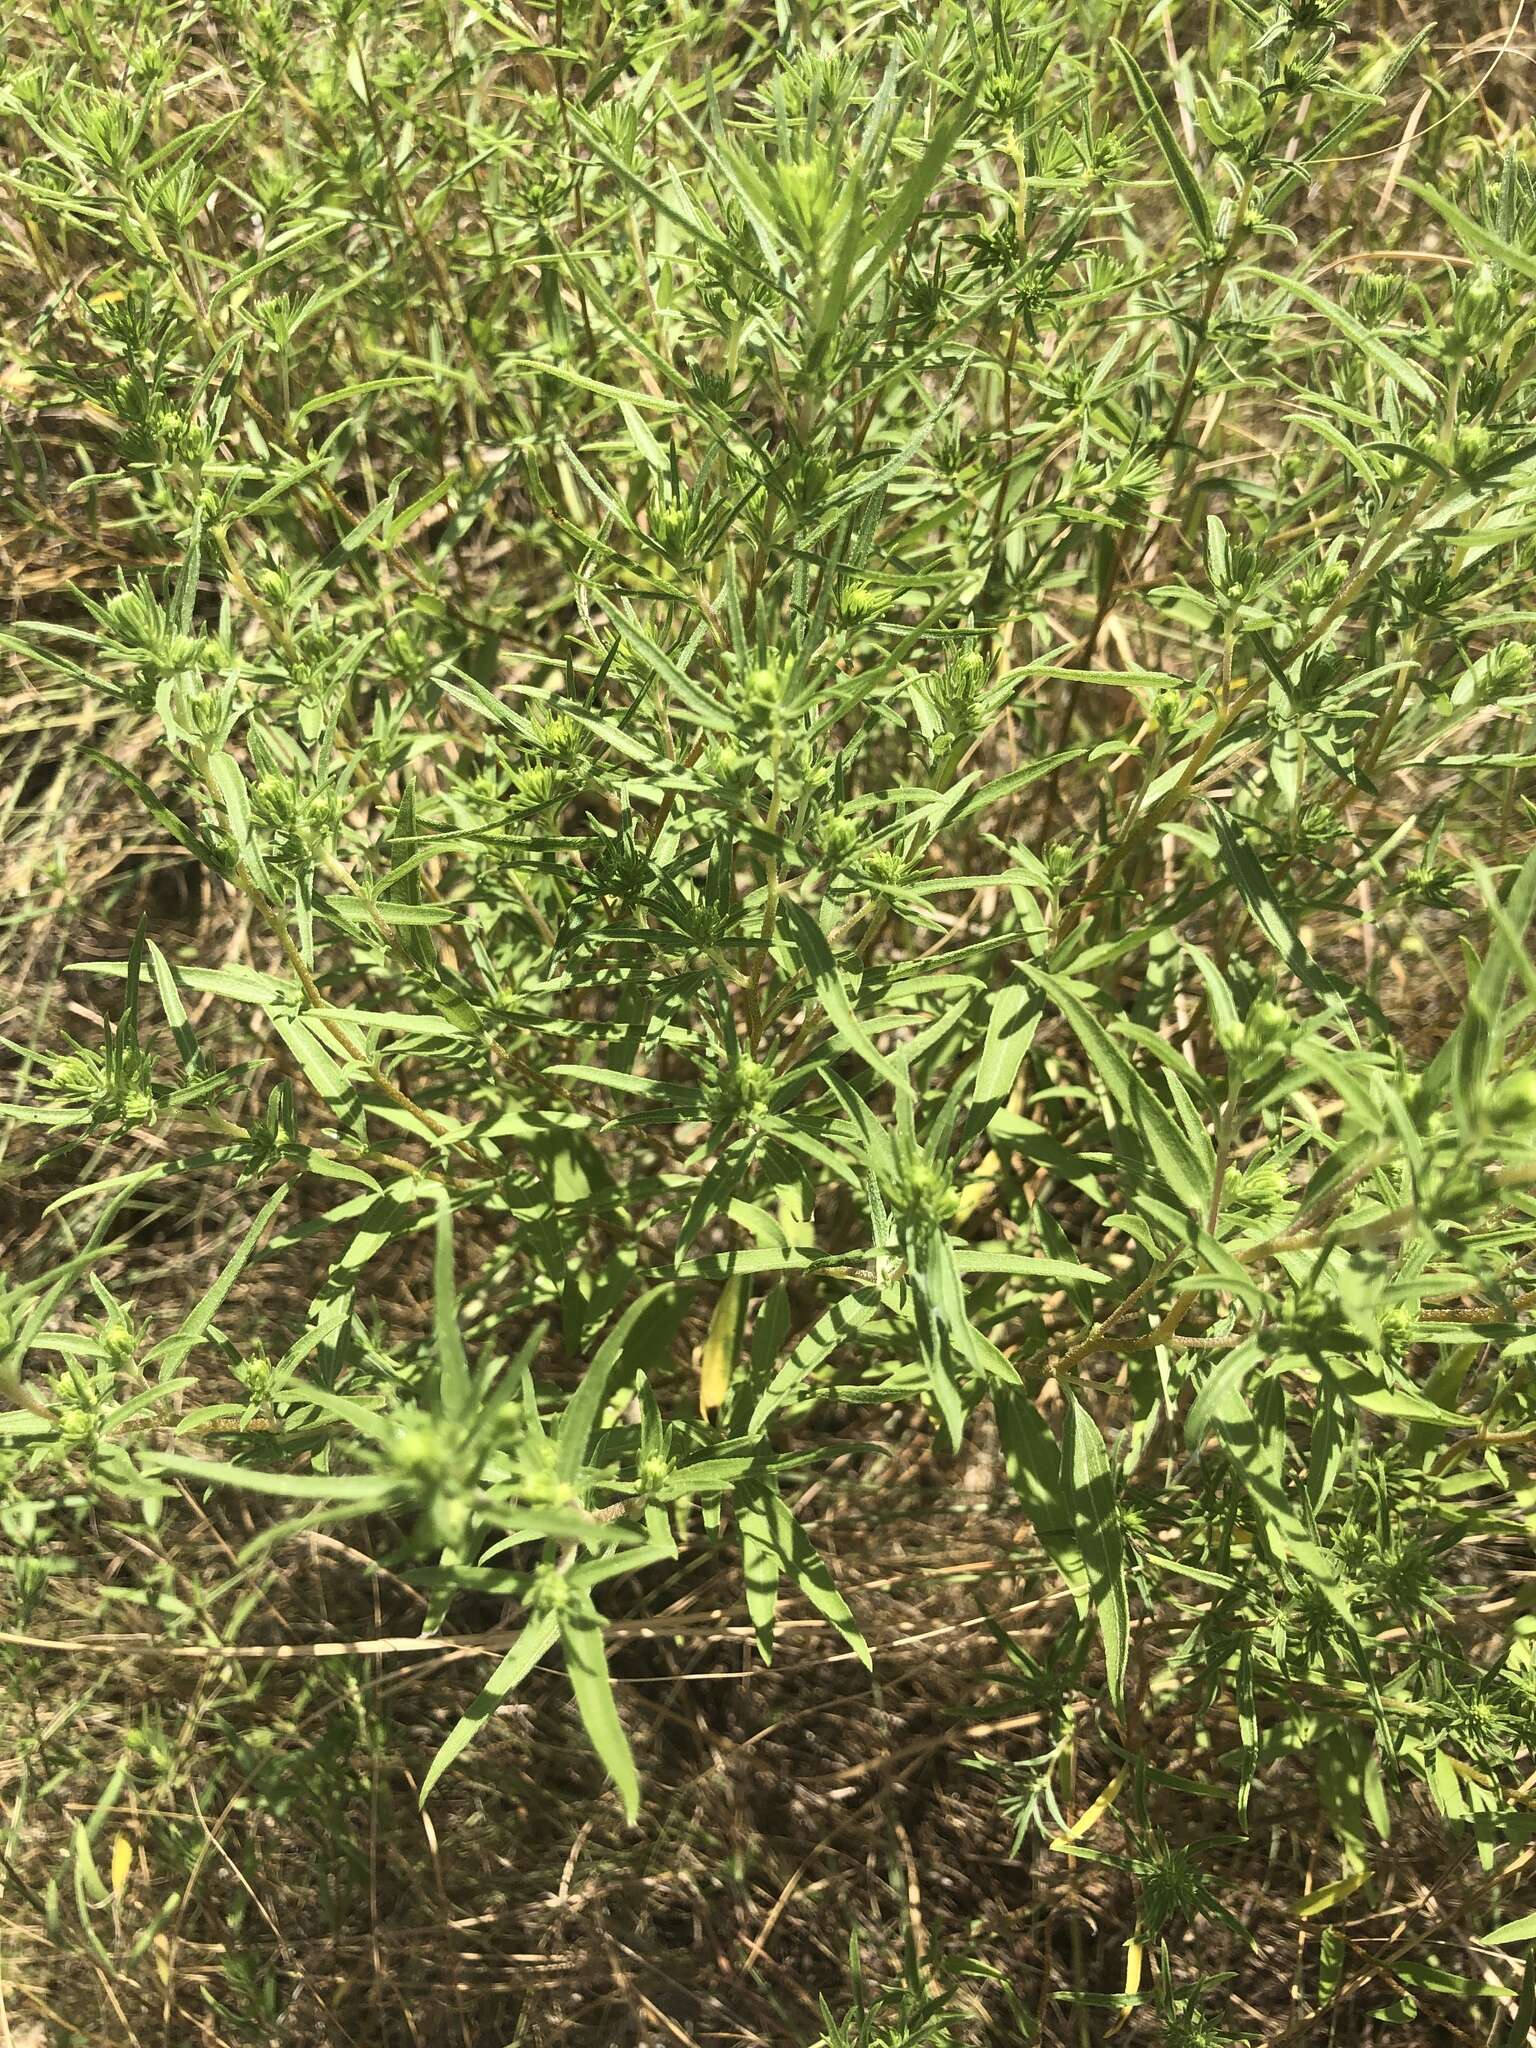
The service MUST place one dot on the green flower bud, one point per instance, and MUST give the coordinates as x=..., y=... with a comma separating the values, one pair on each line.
x=860, y=604
x=135, y=1108
x=806, y=196
x=622, y=869
x=1008, y=95
x=75, y=1074
x=837, y=838
x=1314, y=830
x=886, y=872
x=1168, y=712
x=1472, y=450
x=707, y=925
x=761, y=697
x=538, y=1477
x=957, y=692
x=550, y=1592
x=256, y=1374
x=1257, y=1197
x=743, y=1091
x=562, y=739
x=653, y=1471
x=1397, y=1326
x=120, y=1341
x=208, y=713
x=725, y=768
x=1510, y=665
x=1060, y=858
x=674, y=524
x=1477, y=307
x=922, y=1197
x=419, y=1451
x=537, y=785
x=1436, y=882
x=1320, y=583
x=1376, y=296
x=1171, y=1889
x=448, y=1519
x=77, y=1426
x=1263, y=1033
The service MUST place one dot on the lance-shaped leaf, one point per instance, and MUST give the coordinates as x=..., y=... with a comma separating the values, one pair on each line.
x=1384, y=357
x=1088, y=1482
x=1182, y=171
x=1470, y=1053
x=774, y=1544
x=809, y=943
x=452, y=1364
x=722, y=1342
x=646, y=1327
x=537, y=1637
x=1188, y=1172
x=1012, y=1017
x=192, y=1332
x=943, y=1330
x=581, y=1638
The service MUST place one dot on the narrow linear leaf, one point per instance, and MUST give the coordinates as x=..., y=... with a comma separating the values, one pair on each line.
x=1182, y=171
x=1187, y=1175
x=815, y=956
x=537, y=1637
x=1088, y=1481
x=722, y=1343
x=1384, y=357
x=581, y=1637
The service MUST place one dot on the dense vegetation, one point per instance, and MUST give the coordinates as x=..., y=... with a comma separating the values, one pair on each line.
x=769, y=1138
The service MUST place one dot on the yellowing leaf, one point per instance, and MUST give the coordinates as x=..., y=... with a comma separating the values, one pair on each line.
x=122, y=1864
x=1134, y=1952
x=1090, y=1816
x=978, y=1190
x=1330, y=1895
x=718, y=1360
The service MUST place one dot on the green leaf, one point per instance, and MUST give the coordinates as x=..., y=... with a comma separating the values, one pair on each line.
x=174, y=1350
x=815, y=956
x=452, y=1365
x=537, y=1637
x=581, y=1637
x=1183, y=173
x=1088, y=1482
x=1189, y=1176
x=722, y=1342
x=1471, y=1051
x=943, y=1331
x=1369, y=344
x=898, y=216
x=172, y=1005
x=761, y=1565
x=1511, y=1932
x=643, y=1331
x=356, y=1490
x=835, y=1327
x=1257, y=892
x=229, y=784
x=780, y=1543
x=1012, y=1019
x=1472, y=234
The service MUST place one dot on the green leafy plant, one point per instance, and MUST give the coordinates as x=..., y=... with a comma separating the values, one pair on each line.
x=812, y=740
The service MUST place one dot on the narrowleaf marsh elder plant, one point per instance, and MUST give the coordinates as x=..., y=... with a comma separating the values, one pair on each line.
x=770, y=801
